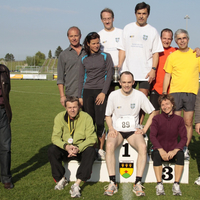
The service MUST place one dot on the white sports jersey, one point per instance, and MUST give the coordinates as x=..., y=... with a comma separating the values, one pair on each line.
x=109, y=42
x=140, y=43
x=125, y=109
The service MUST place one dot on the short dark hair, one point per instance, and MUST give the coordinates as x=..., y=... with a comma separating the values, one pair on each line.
x=166, y=30
x=73, y=27
x=127, y=73
x=88, y=38
x=71, y=99
x=165, y=97
x=107, y=10
x=142, y=5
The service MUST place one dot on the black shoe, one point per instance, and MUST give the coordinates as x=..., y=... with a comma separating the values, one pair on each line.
x=8, y=185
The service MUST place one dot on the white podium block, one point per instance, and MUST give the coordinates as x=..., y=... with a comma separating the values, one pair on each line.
x=168, y=175
x=126, y=158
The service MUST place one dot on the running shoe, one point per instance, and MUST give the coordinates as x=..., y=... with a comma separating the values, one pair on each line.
x=61, y=184
x=110, y=189
x=197, y=181
x=160, y=189
x=176, y=189
x=186, y=153
x=75, y=191
x=101, y=154
x=137, y=189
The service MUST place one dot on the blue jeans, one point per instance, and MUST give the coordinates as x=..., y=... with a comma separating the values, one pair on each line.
x=5, y=147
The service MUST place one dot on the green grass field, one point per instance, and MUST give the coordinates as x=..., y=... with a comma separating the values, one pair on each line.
x=34, y=105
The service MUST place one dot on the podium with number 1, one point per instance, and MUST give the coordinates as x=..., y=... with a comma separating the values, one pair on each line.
x=126, y=158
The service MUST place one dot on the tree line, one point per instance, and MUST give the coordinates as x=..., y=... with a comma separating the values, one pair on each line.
x=37, y=59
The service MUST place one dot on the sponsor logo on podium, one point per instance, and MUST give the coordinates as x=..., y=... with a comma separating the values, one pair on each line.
x=126, y=168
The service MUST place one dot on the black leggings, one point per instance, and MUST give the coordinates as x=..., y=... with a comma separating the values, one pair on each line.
x=97, y=112
x=178, y=159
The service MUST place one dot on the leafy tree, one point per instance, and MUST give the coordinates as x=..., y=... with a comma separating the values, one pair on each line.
x=12, y=57
x=36, y=60
x=58, y=51
x=9, y=57
x=39, y=58
x=40, y=55
x=49, y=54
x=30, y=60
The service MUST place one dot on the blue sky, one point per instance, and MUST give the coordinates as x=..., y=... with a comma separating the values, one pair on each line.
x=41, y=25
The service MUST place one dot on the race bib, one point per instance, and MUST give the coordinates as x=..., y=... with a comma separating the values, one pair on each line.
x=125, y=124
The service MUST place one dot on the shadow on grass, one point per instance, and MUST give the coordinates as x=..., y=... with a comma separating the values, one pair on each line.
x=194, y=148
x=88, y=183
x=37, y=161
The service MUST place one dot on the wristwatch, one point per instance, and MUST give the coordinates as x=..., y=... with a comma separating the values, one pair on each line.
x=154, y=68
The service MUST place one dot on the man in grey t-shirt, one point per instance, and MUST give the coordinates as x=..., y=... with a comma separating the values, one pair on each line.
x=68, y=65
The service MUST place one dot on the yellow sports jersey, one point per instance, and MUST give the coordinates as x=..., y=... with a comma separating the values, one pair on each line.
x=184, y=68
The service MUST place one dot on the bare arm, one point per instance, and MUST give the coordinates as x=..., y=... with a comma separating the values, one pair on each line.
x=197, y=50
x=166, y=82
x=149, y=121
x=112, y=132
x=197, y=128
x=62, y=94
x=122, y=55
x=152, y=74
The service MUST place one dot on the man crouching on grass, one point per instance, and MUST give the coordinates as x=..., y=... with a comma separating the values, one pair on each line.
x=73, y=138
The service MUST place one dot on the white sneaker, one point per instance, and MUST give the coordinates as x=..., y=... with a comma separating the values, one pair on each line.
x=61, y=184
x=101, y=154
x=176, y=189
x=110, y=189
x=160, y=189
x=186, y=153
x=137, y=189
x=75, y=191
x=197, y=181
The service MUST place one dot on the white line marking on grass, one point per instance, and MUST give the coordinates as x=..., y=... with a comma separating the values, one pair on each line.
x=33, y=92
x=127, y=192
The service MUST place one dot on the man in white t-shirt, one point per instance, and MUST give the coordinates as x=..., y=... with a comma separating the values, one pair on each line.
x=122, y=117
x=140, y=46
x=110, y=35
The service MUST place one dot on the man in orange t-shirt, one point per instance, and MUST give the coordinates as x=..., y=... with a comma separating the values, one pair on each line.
x=166, y=38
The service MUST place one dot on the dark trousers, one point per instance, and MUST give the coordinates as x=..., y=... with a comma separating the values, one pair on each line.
x=97, y=112
x=56, y=155
x=5, y=147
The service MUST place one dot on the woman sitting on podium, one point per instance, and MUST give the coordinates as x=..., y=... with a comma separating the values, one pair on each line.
x=166, y=128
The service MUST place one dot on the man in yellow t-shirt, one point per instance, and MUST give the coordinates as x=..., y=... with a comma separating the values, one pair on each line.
x=182, y=73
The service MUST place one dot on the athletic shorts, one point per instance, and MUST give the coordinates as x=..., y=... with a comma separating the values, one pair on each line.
x=154, y=99
x=125, y=135
x=142, y=84
x=184, y=101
